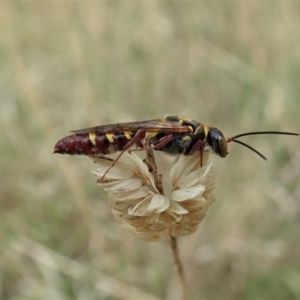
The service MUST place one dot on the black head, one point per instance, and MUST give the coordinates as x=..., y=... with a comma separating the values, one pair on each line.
x=217, y=141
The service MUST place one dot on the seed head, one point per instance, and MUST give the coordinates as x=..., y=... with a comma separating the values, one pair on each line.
x=136, y=201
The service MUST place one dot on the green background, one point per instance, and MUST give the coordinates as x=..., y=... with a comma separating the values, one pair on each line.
x=68, y=65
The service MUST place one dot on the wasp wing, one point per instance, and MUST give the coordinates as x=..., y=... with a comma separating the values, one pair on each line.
x=155, y=125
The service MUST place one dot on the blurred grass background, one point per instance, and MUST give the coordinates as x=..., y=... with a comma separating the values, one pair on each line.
x=68, y=65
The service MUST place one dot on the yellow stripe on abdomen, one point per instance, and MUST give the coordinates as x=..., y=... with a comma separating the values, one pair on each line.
x=110, y=137
x=92, y=137
x=128, y=135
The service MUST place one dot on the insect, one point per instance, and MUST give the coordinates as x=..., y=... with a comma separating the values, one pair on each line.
x=172, y=135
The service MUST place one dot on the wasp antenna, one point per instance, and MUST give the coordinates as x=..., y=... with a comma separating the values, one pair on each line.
x=261, y=132
x=249, y=147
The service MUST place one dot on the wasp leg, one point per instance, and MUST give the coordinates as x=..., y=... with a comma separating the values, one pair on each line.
x=163, y=141
x=101, y=157
x=198, y=145
x=135, y=140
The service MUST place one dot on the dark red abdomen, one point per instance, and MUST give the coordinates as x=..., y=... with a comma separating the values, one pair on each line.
x=91, y=144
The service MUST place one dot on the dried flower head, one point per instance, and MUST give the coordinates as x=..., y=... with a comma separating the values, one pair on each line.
x=136, y=201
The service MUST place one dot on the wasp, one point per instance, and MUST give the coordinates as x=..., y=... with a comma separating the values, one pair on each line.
x=172, y=134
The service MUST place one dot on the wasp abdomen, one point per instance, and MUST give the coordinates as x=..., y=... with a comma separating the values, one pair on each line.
x=92, y=144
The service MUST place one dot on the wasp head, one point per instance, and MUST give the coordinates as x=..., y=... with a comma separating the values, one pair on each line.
x=217, y=141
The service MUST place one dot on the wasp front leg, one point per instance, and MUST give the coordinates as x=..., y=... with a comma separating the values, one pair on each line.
x=198, y=145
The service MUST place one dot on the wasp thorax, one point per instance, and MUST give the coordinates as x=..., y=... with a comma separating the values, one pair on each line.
x=217, y=141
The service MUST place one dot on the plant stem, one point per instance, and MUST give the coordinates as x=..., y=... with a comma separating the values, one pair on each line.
x=150, y=162
x=179, y=267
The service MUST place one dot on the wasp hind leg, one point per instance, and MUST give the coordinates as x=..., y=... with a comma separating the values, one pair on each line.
x=135, y=140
